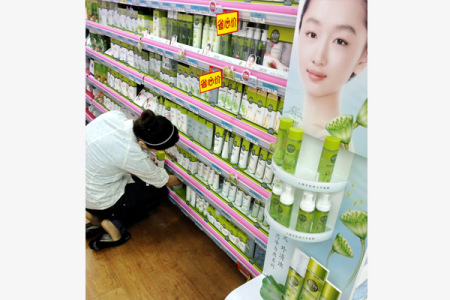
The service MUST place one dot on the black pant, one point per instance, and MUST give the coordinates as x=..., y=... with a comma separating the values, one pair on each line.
x=138, y=199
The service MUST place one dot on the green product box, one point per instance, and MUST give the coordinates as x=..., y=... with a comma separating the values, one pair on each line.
x=260, y=108
x=280, y=34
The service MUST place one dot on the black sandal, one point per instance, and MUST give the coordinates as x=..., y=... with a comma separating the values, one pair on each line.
x=93, y=230
x=106, y=242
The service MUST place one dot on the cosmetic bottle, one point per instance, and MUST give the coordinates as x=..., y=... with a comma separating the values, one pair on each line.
x=195, y=128
x=261, y=165
x=248, y=42
x=255, y=208
x=239, y=197
x=205, y=33
x=211, y=177
x=234, y=45
x=223, y=90
x=216, y=181
x=315, y=277
x=232, y=192
x=234, y=158
x=260, y=217
x=268, y=173
x=246, y=202
x=286, y=204
x=261, y=49
x=209, y=135
x=243, y=155
x=212, y=32
x=330, y=292
x=193, y=165
x=328, y=158
x=225, y=153
x=323, y=206
x=160, y=156
x=254, y=155
x=293, y=144
x=305, y=213
x=237, y=98
x=225, y=45
x=256, y=39
x=198, y=24
x=230, y=94
x=217, y=40
x=296, y=275
x=225, y=189
x=280, y=147
x=218, y=140
x=279, y=113
x=201, y=131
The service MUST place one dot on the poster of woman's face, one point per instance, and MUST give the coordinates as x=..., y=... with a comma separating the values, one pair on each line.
x=250, y=61
x=326, y=91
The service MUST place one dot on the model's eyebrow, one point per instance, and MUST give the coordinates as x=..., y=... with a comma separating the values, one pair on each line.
x=344, y=27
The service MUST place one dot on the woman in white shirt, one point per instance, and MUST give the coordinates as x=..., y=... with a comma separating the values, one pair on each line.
x=121, y=179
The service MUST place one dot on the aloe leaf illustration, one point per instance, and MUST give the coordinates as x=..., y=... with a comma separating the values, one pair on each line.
x=341, y=127
x=361, y=118
x=340, y=246
x=270, y=289
x=356, y=221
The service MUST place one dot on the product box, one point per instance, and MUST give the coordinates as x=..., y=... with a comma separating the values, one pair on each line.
x=251, y=99
x=272, y=106
x=279, y=56
x=260, y=109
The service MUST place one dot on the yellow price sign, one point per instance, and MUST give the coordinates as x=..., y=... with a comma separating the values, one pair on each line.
x=210, y=81
x=227, y=22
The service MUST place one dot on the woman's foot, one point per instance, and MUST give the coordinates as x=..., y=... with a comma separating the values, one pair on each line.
x=105, y=241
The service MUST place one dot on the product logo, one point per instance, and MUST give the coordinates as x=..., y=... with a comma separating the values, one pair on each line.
x=212, y=6
x=270, y=108
x=324, y=219
x=302, y=218
x=280, y=210
x=217, y=134
x=196, y=22
x=294, y=281
x=246, y=75
x=259, y=103
x=312, y=285
x=269, y=161
x=333, y=158
x=290, y=148
x=275, y=36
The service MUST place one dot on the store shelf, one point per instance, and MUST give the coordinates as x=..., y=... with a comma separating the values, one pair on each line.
x=267, y=79
x=308, y=185
x=246, y=225
x=275, y=14
x=115, y=65
x=211, y=233
x=227, y=121
x=245, y=183
x=114, y=95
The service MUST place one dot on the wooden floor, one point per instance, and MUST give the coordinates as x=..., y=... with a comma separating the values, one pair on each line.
x=167, y=257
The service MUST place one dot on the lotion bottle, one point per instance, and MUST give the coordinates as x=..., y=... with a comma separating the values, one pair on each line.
x=305, y=213
x=243, y=156
x=293, y=144
x=296, y=275
x=254, y=155
x=328, y=158
x=286, y=204
x=321, y=212
x=280, y=146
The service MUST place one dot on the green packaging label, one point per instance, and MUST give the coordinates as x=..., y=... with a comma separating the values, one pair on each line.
x=274, y=204
x=284, y=214
x=293, y=285
x=326, y=165
x=304, y=221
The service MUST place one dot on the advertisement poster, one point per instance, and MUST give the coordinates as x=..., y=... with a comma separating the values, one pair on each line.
x=326, y=91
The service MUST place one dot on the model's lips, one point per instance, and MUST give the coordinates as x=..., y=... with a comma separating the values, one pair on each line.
x=315, y=75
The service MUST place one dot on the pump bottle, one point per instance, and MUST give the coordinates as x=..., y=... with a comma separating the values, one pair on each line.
x=286, y=204
x=305, y=213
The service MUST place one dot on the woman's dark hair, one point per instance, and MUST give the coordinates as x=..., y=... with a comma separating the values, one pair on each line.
x=156, y=131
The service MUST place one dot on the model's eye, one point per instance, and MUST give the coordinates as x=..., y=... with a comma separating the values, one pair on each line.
x=341, y=42
x=311, y=35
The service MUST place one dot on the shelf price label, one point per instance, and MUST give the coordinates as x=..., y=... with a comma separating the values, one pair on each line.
x=227, y=22
x=218, y=170
x=251, y=138
x=227, y=126
x=257, y=17
x=210, y=81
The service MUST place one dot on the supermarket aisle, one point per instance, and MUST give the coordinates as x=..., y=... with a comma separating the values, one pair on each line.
x=168, y=257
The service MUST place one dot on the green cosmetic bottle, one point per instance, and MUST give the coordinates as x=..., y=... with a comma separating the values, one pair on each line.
x=321, y=212
x=315, y=277
x=293, y=144
x=296, y=274
x=286, y=204
x=330, y=292
x=328, y=158
x=275, y=201
x=280, y=146
x=305, y=213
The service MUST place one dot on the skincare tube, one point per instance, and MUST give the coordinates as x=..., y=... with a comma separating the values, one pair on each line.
x=254, y=155
x=237, y=98
x=211, y=176
x=315, y=277
x=259, y=173
x=218, y=140
x=296, y=275
x=330, y=292
x=193, y=165
x=321, y=212
x=216, y=181
x=260, y=217
x=230, y=95
x=209, y=135
x=225, y=189
x=268, y=173
x=328, y=158
x=280, y=147
x=236, y=149
x=269, y=118
x=243, y=156
x=200, y=167
x=198, y=24
x=205, y=172
x=244, y=102
x=278, y=115
x=305, y=213
x=294, y=142
x=201, y=131
x=196, y=127
x=239, y=197
x=211, y=31
x=160, y=157
x=225, y=147
x=223, y=93
x=188, y=194
x=205, y=33
x=246, y=202
x=232, y=193
x=286, y=204
x=255, y=208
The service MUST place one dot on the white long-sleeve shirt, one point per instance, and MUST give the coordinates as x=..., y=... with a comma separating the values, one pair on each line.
x=112, y=153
